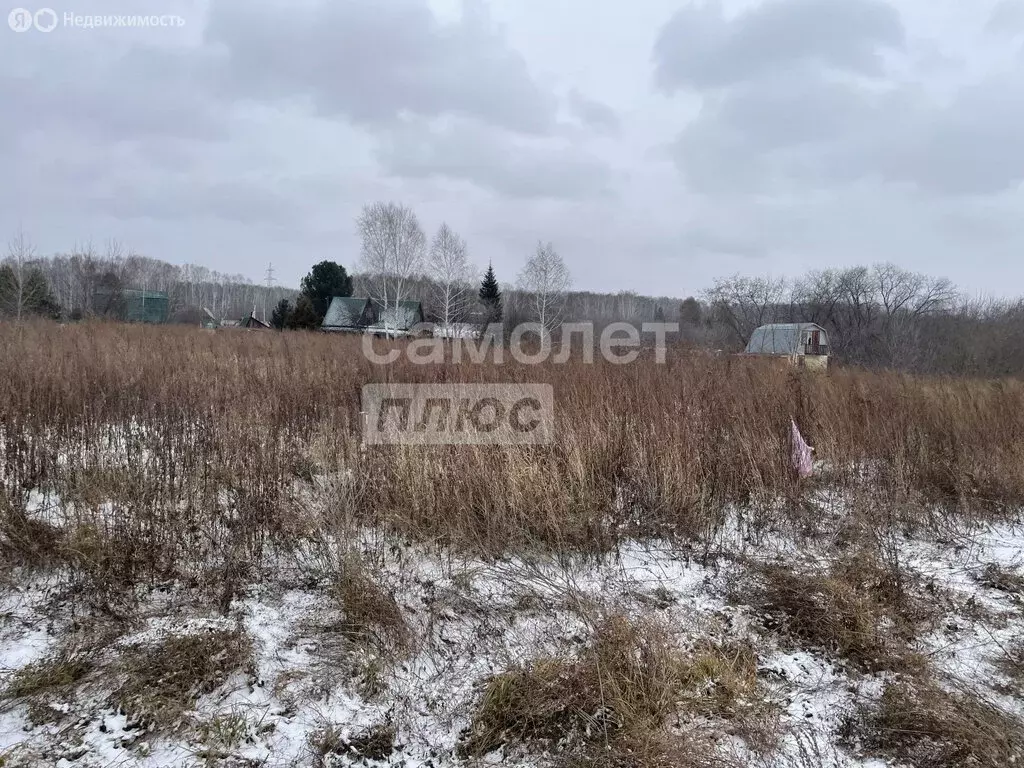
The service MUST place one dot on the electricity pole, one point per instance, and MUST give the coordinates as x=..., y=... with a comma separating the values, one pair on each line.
x=270, y=285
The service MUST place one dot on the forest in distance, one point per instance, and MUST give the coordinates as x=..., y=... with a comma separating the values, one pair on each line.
x=880, y=316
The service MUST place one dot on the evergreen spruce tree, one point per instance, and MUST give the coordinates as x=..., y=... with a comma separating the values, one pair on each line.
x=305, y=316
x=25, y=292
x=325, y=281
x=490, y=295
x=281, y=315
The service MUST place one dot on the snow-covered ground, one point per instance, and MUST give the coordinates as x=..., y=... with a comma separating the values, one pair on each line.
x=471, y=619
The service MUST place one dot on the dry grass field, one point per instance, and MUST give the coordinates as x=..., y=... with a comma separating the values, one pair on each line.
x=200, y=564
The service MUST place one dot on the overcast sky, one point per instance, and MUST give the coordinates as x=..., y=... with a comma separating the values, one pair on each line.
x=657, y=144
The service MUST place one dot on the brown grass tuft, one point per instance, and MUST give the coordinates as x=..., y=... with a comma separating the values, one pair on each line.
x=928, y=727
x=371, y=612
x=859, y=609
x=162, y=681
x=56, y=675
x=371, y=744
x=618, y=694
x=626, y=681
x=1006, y=580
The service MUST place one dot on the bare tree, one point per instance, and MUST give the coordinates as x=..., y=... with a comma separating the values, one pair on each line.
x=451, y=271
x=392, y=253
x=857, y=320
x=818, y=295
x=905, y=297
x=744, y=303
x=23, y=286
x=628, y=306
x=546, y=279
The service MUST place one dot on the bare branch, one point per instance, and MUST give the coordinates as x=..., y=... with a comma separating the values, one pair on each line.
x=392, y=252
x=449, y=267
x=546, y=279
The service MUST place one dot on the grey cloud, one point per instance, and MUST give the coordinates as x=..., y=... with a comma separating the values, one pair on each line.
x=759, y=135
x=779, y=123
x=814, y=134
x=373, y=61
x=107, y=87
x=1007, y=18
x=700, y=48
x=520, y=168
x=708, y=239
x=115, y=99
x=182, y=198
x=804, y=131
x=592, y=113
x=117, y=118
x=972, y=146
x=370, y=62
x=791, y=109
x=122, y=182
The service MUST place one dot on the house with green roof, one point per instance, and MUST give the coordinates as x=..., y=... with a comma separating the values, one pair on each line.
x=348, y=314
x=803, y=344
x=351, y=314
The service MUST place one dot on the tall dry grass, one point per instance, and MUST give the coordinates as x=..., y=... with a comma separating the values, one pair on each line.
x=184, y=453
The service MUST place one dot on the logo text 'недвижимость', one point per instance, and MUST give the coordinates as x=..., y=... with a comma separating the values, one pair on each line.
x=47, y=20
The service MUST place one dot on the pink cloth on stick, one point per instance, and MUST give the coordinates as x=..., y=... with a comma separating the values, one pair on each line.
x=803, y=461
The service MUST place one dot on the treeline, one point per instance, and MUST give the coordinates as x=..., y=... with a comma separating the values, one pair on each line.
x=882, y=316
x=67, y=285
x=601, y=309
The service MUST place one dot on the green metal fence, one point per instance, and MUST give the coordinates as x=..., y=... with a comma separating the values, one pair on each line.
x=133, y=306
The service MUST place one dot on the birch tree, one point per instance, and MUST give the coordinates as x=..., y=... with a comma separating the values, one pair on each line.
x=393, y=245
x=450, y=269
x=23, y=286
x=546, y=279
